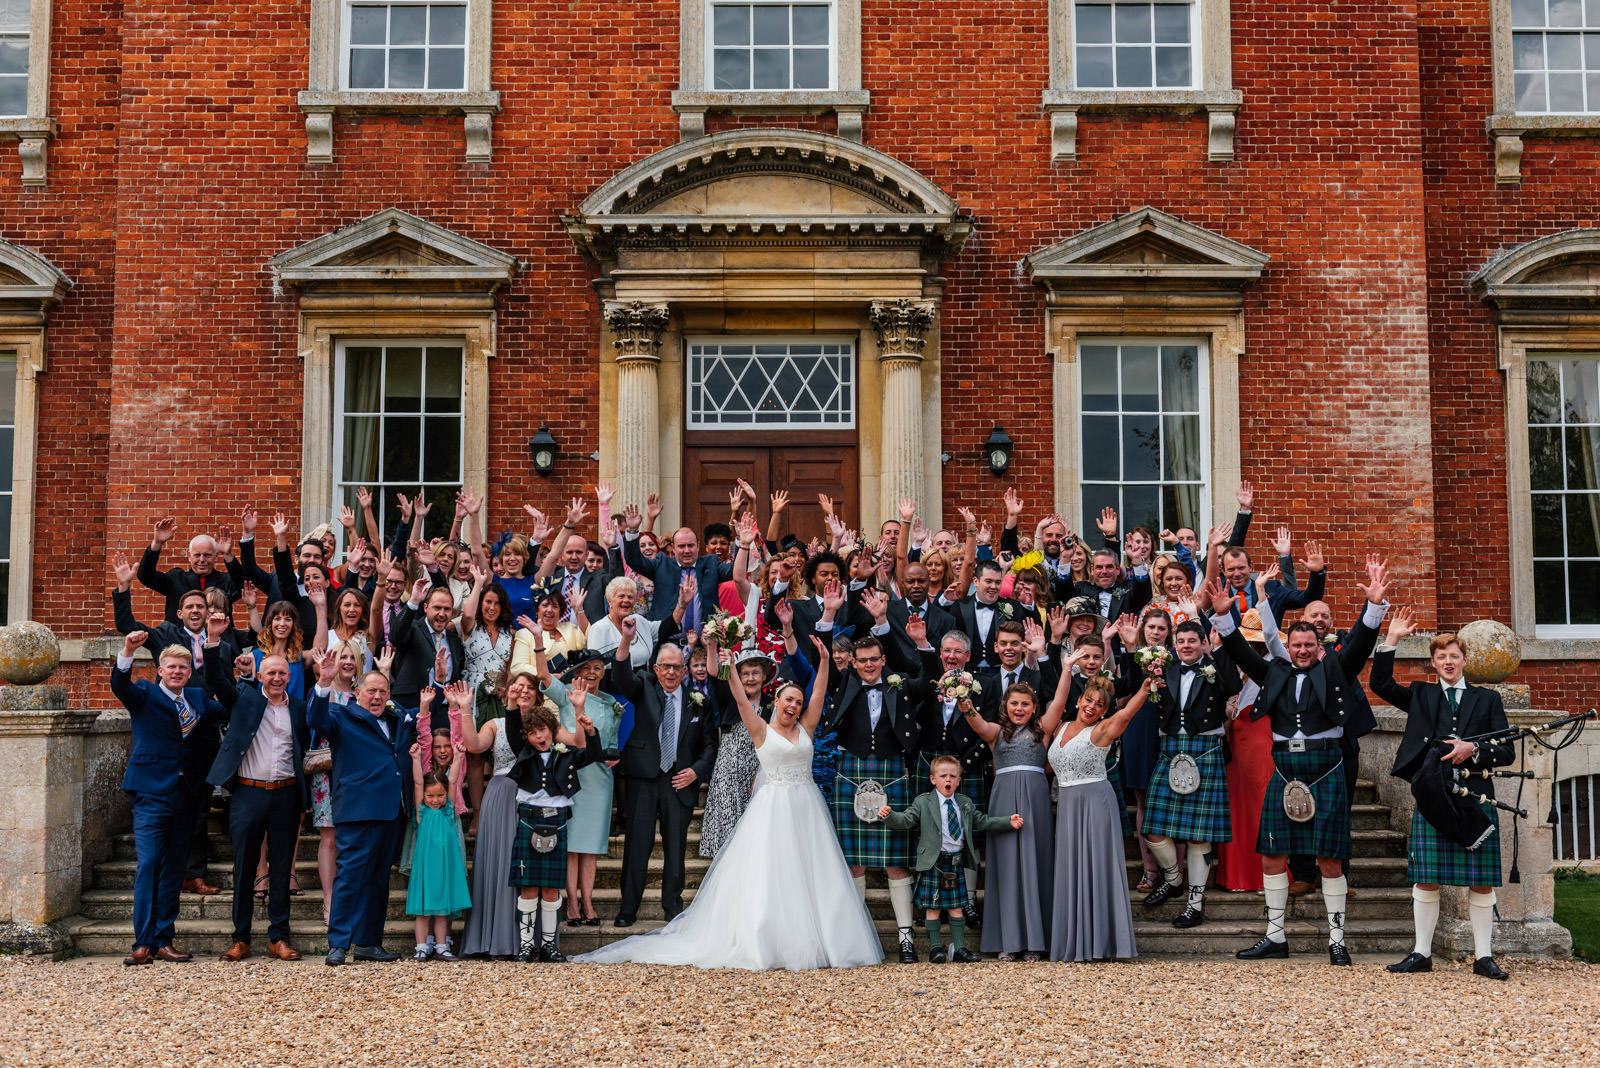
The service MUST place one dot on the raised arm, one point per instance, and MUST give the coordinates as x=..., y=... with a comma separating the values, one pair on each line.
x=1382, y=679
x=1269, y=619
x=989, y=732
x=819, y=688
x=1110, y=729
x=417, y=788
x=747, y=713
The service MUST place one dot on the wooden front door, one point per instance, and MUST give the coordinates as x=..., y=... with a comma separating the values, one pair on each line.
x=803, y=464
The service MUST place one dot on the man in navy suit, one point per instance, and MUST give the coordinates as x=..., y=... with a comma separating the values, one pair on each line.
x=668, y=568
x=371, y=784
x=165, y=776
x=260, y=763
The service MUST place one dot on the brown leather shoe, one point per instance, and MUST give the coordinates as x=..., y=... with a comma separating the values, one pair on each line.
x=174, y=956
x=1299, y=888
x=237, y=952
x=140, y=955
x=283, y=951
x=199, y=886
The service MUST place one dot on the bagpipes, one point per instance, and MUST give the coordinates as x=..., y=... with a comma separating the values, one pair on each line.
x=1456, y=811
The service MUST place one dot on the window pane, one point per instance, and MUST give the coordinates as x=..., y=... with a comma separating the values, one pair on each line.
x=811, y=68
x=1583, y=577
x=1139, y=378
x=360, y=447
x=1582, y=455
x=1141, y=448
x=1566, y=92
x=1550, y=593
x=7, y=436
x=1579, y=392
x=1583, y=534
x=1527, y=51
x=1100, y=462
x=447, y=68
x=14, y=56
x=8, y=397
x=1099, y=377
x=442, y=455
x=1591, y=51
x=1527, y=12
x=1172, y=24
x=1181, y=508
x=1133, y=23
x=1182, y=460
x=1547, y=539
x=368, y=25
x=1180, y=378
x=1141, y=507
x=1593, y=7
x=1172, y=68
x=811, y=25
x=1544, y=458
x=1530, y=92
x=1566, y=13
x=1133, y=68
x=366, y=68
x=1564, y=51
x=444, y=380
x=730, y=25
x=769, y=68
x=403, y=382
x=1097, y=497
x=408, y=25
x=5, y=527
x=1094, y=68
x=1594, y=92
x=770, y=25
x=1093, y=24
x=406, y=67
x=402, y=448
x=15, y=15
x=1544, y=392
x=363, y=377
x=13, y=96
x=731, y=69
x=448, y=26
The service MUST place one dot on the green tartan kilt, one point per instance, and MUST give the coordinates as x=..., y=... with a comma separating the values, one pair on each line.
x=530, y=867
x=1433, y=858
x=871, y=845
x=974, y=784
x=1203, y=816
x=1327, y=834
x=927, y=894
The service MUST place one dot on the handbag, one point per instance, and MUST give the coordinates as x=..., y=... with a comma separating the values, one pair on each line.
x=318, y=760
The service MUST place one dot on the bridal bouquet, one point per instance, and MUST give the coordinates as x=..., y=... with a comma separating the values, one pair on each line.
x=728, y=632
x=1154, y=660
x=954, y=685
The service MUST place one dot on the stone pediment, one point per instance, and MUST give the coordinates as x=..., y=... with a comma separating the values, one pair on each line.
x=1561, y=269
x=28, y=278
x=1147, y=247
x=394, y=247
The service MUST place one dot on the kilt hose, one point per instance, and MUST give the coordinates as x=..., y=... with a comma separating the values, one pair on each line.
x=1202, y=816
x=871, y=845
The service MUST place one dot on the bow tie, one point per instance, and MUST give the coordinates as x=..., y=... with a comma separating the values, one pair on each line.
x=1184, y=669
x=874, y=686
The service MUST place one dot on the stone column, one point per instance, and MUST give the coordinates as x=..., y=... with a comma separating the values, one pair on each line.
x=902, y=330
x=636, y=335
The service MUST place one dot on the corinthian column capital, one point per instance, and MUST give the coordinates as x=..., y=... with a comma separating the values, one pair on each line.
x=636, y=328
x=902, y=326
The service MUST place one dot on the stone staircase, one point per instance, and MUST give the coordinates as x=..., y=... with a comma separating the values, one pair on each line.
x=1379, y=910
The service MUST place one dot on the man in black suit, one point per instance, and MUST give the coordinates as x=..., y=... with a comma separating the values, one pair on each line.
x=822, y=571
x=680, y=555
x=1308, y=701
x=427, y=649
x=1024, y=657
x=260, y=763
x=1111, y=598
x=201, y=574
x=667, y=756
x=567, y=565
x=914, y=601
x=980, y=614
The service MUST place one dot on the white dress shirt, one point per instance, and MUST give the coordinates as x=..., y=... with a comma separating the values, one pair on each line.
x=271, y=753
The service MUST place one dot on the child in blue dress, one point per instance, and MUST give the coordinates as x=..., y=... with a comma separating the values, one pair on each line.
x=438, y=889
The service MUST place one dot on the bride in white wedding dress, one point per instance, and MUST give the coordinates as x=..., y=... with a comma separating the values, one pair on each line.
x=779, y=894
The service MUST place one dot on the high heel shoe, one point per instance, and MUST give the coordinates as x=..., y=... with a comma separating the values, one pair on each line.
x=294, y=886
x=261, y=887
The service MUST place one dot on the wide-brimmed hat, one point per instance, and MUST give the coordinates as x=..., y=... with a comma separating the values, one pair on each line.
x=1250, y=627
x=576, y=658
x=753, y=656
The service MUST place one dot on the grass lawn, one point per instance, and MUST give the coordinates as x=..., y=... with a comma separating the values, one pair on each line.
x=1578, y=910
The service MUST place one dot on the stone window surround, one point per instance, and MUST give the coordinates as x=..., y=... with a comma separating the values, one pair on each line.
x=1505, y=127
x=323, y=98
x=1216, y=96
x=33, y=131
x=694, y=97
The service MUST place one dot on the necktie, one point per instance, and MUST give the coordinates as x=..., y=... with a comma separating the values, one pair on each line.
x=186, y=716
x=198, y=644
x=669, y=732
x=1450, y=695
x=1008, y=680
x=1242, y=599
x=951, y=819
x=566, y=592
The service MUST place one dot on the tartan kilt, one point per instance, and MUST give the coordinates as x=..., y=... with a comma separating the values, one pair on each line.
x=1433, y=858
x=1114, y=776
x=927, y=894
x=530, y=867
x=1202, y=816
x=871, y=845
x=1325, y=835
x=975, y=784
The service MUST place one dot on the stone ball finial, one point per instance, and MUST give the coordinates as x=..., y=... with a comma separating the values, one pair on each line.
x=1494, y=652
x=29, y=652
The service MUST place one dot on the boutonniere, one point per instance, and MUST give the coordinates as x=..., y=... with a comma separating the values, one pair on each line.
x=1329, y=639
x=560, y=747
x=1209, y=673
x=894, y=682
x=697, y=698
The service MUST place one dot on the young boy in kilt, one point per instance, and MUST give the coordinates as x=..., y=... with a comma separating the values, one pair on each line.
x=546, y=775
x=1307, y=699
x=948, y=823
x=1439, y=714
x=1193, y=706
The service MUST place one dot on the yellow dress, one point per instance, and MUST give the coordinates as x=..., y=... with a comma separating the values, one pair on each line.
x=566, y=638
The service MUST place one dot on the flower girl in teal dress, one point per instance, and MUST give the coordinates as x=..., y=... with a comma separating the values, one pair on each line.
x=438, y=889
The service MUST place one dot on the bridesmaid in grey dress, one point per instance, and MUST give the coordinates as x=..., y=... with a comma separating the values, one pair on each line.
x=1090, y=917
x=1021, y=864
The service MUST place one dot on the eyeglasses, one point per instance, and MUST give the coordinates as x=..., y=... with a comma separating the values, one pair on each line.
x=669, y=667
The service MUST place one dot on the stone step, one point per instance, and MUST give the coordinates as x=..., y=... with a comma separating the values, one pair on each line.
x=1376, y=903
x=308, y=844
x=210, y=937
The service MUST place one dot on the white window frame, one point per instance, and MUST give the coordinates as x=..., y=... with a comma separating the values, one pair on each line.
x=34, y=129
x=1196, y=45
x=1545, y=31
x=1552, y=630
x=1202, y=344
x=833, y=41
x=341, y=345
x=1507, y=126
x=345, y=43
x=844, y=340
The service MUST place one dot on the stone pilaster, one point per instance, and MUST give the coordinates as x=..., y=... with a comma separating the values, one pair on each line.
x=636, y=329
x=902, y=332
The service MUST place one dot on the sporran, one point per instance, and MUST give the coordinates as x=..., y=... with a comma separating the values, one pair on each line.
x=870, y=797
x=1299, y=803
x=1183, y=774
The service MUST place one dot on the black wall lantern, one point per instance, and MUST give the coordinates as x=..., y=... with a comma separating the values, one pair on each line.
x=998, y=450
x=543, y=447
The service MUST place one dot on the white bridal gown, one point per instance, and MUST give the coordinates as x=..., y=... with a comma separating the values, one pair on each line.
x=779, y=894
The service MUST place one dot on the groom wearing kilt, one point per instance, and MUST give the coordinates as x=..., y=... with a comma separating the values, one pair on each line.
x=1193, y=709
x=1439, y=714
x=876, y=720
x=1306, y=809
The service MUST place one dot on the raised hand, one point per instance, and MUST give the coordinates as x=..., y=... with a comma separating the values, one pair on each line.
x=1013, y=506
x=247, y=521
x=384, y=660
x=1058, y=623
x=653, y=506
x=224, y=546
x=1314, y=561
x=577, y=691
x=627, y=629
x=576, y=511
x=908, y=509
x=736, y=498
x=363, y=497
x=876, y=602
x=249, y=595
x=425, y=698
x=1402, y=624
x=1216, y=595
x=602, y=495
x=1128, y=629
x=1033, y=635
x=968, y=518
x=244, y=665
x=527, y=623
x=919, y=533
x=404, y=504
x=585, y=724
x=347, y=518
x=419, y=590
x=917, y=631
x=746, y=489
x=425, y=556
x=461, y=508
x=633, y=517
x=1167, y=536
x=827, y=504
x=132, y=640
x=480, y=576
x=541, y=524
x=1265, y=577
x=1378, y=579
x=166, y=527
x=358, y=545
x=217, y=624
x=783, y=608
x=1107, y=522
x=780, y=501
x=984, y=534
x=122, y=569
x=327, y=666
x=688, y=588
x=1282, y=543
x=1219, y=534
x=280, y=525
x=1245, y=495
x=833, y=596
x=420, y=507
